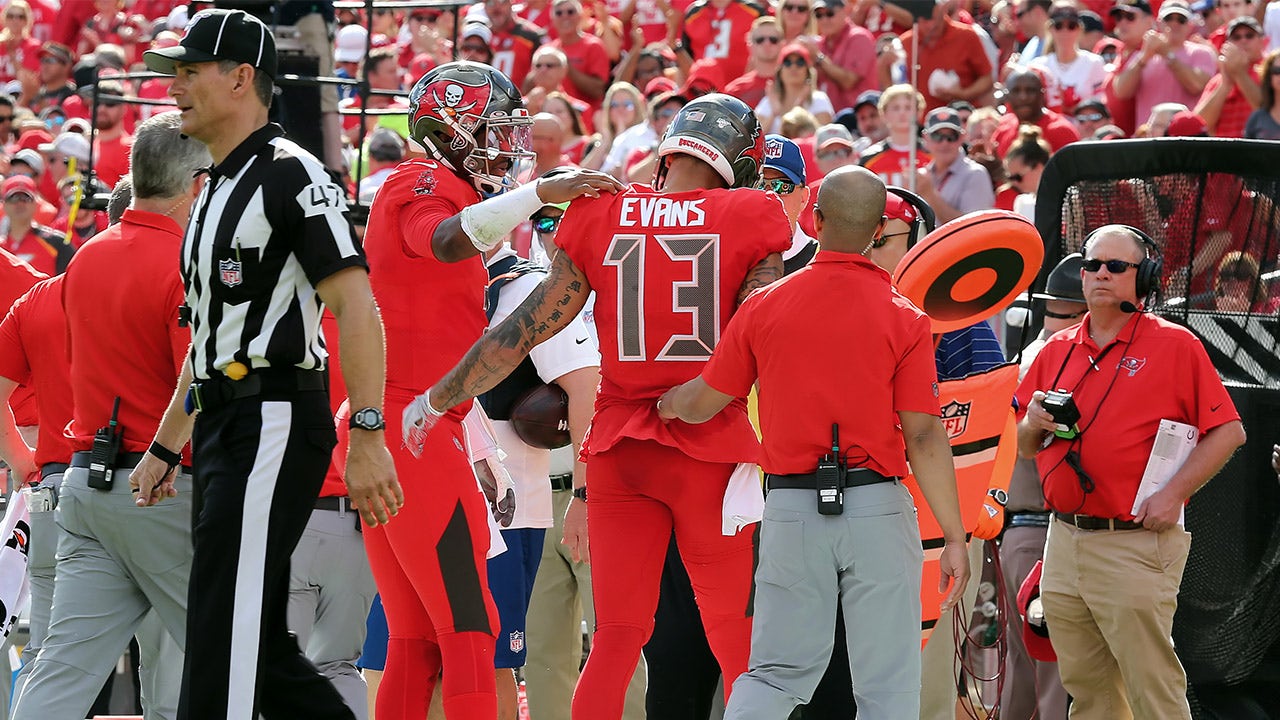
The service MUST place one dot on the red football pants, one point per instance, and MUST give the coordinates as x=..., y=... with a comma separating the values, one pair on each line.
x=639, y=492
x=429, y=564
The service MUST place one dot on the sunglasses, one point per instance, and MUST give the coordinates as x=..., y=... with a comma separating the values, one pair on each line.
x=1237, y=273
x=622, y=105
x=771, y=39
x=14, y=16
x=823, y=14
x=1115, y=267
x=545, y=224
x=947, y=137
x=6, y=118
x=547, y=66
x=50, y=60
x=1243, y=36
x=479, y=48
x=1088, y=117
x=1062, y=316
x=424, y=17
x=1066, y=25
x=834, y=154
x=666, y=113
x=778, y=186
x=566, y=12
x=795, y=8
x=1126, y=16
x=1175, y=19
x=795, y=62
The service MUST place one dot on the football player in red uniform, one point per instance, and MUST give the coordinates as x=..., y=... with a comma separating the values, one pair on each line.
x=430, y=222
x=669, y=264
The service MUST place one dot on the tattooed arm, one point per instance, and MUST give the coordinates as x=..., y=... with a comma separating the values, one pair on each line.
x=547, y=310
x=766, y=271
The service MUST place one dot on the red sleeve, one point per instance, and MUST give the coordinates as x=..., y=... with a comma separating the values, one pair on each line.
x=31, y=54
x=732, y=368
x=857, y=53
x=419, y=220
x=14, y=364
x=1213, y=405
x=1064, y=133
x=978, y=55
x=915, y=382
x=596, y=63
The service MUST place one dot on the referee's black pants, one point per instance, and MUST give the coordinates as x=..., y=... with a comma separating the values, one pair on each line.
x=258, y=464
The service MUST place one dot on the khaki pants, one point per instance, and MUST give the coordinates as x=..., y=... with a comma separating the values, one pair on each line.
x=1030, y=686
x=561, y=600
x=1109, y=598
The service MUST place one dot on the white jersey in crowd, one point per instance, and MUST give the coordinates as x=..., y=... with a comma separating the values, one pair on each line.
x=1069, y=84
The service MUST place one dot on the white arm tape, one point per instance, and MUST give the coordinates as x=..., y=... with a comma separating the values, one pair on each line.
x=486, y=223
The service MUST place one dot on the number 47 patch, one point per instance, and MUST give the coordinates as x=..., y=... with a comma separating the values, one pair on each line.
x=319, y=198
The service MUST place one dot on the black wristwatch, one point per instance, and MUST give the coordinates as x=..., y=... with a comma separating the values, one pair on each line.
x=580, y=493
x=367, y=419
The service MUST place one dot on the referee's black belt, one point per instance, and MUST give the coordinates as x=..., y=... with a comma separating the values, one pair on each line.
x=124, y=461
x=852, y=477
x=1029, y=519
x=52, y=469
x=335, y=502
x=1089, y=522
x=561, y=482
x=211, y=394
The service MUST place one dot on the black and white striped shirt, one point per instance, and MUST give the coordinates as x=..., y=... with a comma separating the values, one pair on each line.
x=268, y=226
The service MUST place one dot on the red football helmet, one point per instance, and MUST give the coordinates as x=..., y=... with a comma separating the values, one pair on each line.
x=470, y=117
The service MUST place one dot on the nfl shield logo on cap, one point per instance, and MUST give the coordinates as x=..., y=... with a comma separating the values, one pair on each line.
x=229, y=272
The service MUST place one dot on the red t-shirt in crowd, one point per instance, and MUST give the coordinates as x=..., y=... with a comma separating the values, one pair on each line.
x=717, y=34
x=773, y=335
x=153, y=89
x=47, y=18
x=44, y=248
x=513, y=50
x=433, y=310
x=666, y=269
x=111, y=159
x=16, y=278
x=33, y=352
x=749, y=88
x=958, y=50
x=854, y=48
x=1154, y=370
x=122, y=294
x=892, y=163
x=23, y=53
x=1236, y=110
x=1054, y=129
x=586, y=55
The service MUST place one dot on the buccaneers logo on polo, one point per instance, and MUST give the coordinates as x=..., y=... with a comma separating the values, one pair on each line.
x=458, y=105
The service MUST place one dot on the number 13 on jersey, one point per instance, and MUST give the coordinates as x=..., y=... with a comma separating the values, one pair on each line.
x=692, y=281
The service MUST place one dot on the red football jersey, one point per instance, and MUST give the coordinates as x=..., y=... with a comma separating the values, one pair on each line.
x=666, y=269
x=721, y=35
x=513, y=50
x=433, y=311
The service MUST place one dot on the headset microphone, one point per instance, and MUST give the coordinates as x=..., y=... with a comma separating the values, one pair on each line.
x=1129, y=307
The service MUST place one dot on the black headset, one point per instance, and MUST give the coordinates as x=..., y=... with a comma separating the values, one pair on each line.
x=1150, y=269
x=925, y=220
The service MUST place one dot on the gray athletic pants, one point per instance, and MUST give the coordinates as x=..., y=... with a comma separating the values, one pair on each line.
x=116, y=562
x=330, y=591
x=869, y=560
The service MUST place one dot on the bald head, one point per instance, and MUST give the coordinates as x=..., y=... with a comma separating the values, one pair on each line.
x=851, y=202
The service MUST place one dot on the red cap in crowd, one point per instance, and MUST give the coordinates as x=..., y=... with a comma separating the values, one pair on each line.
x=17, y=185
x=1187, y=124
x=796, y=49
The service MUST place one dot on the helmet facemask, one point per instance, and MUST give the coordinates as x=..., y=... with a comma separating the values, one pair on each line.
x=502, y=157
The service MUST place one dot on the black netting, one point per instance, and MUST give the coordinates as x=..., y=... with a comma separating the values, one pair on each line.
x=1210, y=205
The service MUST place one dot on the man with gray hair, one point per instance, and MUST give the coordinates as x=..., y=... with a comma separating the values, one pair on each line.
x=117, y=561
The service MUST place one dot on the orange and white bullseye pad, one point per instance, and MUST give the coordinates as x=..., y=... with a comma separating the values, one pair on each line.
x=971, y=267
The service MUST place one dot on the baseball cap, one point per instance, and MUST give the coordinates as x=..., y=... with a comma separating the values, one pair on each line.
x=1248, y=20
x=57, y=50
x=783, y=155
x=34, y=139
x=1064, y=281
x=478, y=29
x=30, y=158
x=1095, y=105
x=832, y=134
x=1035, y=633
x=868, y=97
x=71, y=144
x=1141, y=6
x=350, y=44
x=18, y=185
x=1175, y=7
x=897, y=208
x=943, y=118
x=829, y=4
x=1187, y=124
x=386, y=145
x=1064, y=12
x=705, y=76
x=219, y=35
x=795, y=49
x=659, y=86
x=1091, y=21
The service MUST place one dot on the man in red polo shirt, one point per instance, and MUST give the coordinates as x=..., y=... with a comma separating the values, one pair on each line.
x=869, y=560
x=953, y=63
x=1114, y=561
x=1026, y=107
x=126, y=346
x=33, y=352
x=1232, y=94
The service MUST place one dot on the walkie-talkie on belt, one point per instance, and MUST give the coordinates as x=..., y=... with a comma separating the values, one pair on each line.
x=106, y=445
x=830, y=494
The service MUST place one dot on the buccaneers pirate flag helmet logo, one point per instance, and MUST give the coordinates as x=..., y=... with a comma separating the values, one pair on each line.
x=470, y=117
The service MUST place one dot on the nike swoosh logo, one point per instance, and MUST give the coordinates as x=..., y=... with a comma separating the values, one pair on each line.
x=1215, y=407
x=579, y=342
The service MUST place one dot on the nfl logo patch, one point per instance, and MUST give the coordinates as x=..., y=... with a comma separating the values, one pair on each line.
x=517, y=641
x=955, y=418
x=229, y=272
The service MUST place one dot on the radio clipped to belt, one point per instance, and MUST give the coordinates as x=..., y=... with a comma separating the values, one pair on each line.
x=106, y=446
x=830, y=477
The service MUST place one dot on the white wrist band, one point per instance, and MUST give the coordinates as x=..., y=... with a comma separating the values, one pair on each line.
x=486, y=223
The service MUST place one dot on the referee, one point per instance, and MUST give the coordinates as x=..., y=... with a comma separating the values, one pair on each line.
x=268, y=245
